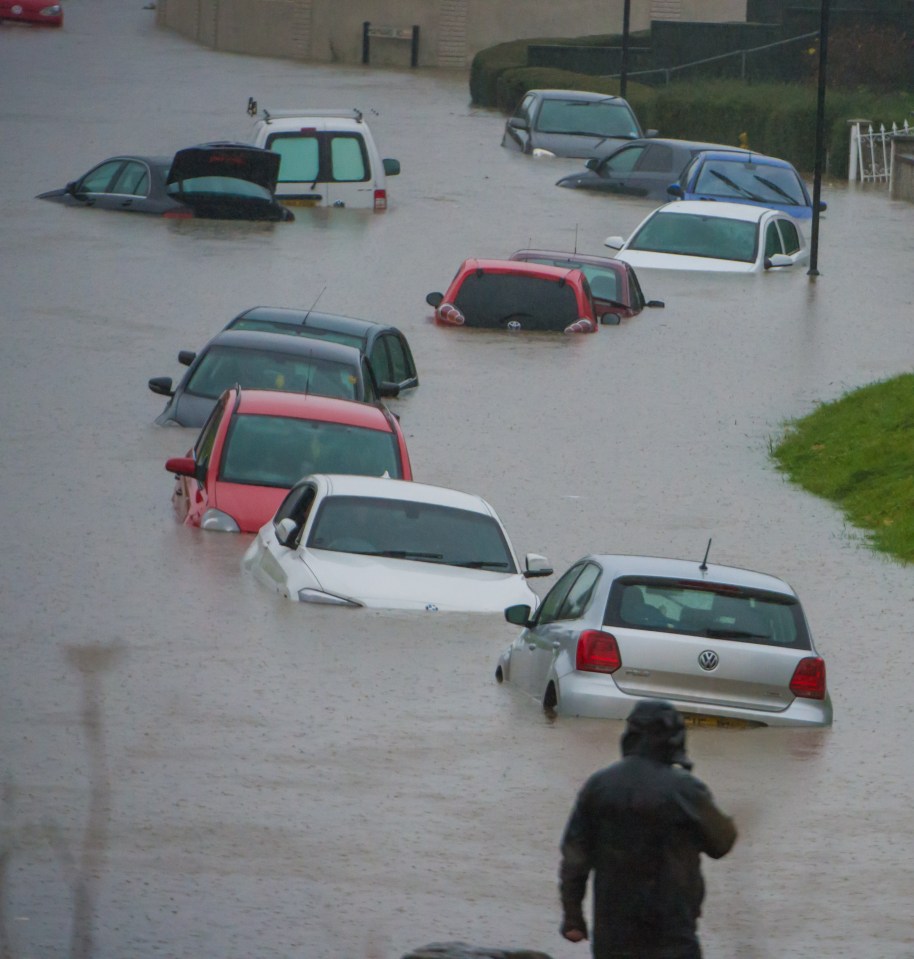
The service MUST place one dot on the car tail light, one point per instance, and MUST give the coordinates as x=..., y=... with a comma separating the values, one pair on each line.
x=178, y=215
x=808, y=680
x=583, y=325
x=448, y=313
x=598, y=652
x=380, y=199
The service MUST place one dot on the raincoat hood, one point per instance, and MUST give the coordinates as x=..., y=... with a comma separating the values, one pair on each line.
x=656, y=730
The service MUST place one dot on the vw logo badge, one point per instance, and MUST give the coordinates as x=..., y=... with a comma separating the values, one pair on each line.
x=16, y=10
x=514, y=324
x=431, y=608
x=708, y=659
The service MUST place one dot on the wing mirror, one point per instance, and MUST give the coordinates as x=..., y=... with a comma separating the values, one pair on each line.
x=434, y=299
x=161, y=385
x=518, y=123
x=614, y=242
x=518, y=615
x=778, y=259
x=186, y=357
x=649, y=134
x=655, y=304
x=285, y=532
x=674, y=189
x=391, y=167
x=182, y=466
x=536, y=565
x=593, y=163
x=388, y=389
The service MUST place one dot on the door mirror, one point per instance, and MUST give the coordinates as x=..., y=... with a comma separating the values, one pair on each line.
x=614, y=242
x=186, y=357
x=518, y=123
x=656, y=304
x=388, y=389
x=285, y=532
x=182, y=466
x=674, y=189
x=161, y=385
x=391, y=167
x=778, y=259
x=518, y=615
x=593, y=163
x=434, y=299
x=536, y=565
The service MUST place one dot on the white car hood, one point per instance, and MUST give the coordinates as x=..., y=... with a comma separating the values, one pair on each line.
x=385, y=583
x=644, y=259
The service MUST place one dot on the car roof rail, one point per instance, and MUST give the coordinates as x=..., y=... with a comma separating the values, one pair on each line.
x=353, y=113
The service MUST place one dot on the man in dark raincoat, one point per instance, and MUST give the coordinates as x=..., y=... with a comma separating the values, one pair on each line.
x=640, y=826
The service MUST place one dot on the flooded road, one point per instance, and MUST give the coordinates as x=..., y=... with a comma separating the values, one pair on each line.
x=192, y=767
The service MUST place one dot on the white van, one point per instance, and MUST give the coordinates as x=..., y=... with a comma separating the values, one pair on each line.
x=329, y=157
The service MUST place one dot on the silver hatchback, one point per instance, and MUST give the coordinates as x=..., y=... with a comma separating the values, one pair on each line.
x=726, y=646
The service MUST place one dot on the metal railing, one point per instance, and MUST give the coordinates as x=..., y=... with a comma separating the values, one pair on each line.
x=870, y=159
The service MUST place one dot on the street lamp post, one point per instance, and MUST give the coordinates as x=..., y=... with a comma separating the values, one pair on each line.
x=820, y=141
x=626, y=20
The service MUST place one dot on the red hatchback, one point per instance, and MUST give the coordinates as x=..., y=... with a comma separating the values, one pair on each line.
x=513, y=295
x=257, y=444
x=42, y=12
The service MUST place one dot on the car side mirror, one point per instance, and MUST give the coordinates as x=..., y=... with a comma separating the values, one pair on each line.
x=161, y=385
x=823, y=206
x=388, y=389
x=655, y=304
x=186, y=357
x=518, y=615
x=536, y=565
x=648, y=134
x=593, y=163
x=778, y=259
x=71, y=188
x=614, y=242
x=285, y=532
x=182, y=466
x=391, y=167
x=674, y=189
x=518, y=123
x=434, y=299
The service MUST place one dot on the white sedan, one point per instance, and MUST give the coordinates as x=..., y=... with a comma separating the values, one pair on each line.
x=390, y=544
x=707, y=235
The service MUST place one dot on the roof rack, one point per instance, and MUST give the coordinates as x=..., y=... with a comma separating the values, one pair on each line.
x=352, y=113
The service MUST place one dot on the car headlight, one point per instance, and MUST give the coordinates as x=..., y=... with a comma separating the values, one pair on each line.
x=327, y=599
x=221, y=522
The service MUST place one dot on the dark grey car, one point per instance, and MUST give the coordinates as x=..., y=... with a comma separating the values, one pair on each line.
x=571, y=123
x=385, y=346
x=641, y=168
x=264, y=361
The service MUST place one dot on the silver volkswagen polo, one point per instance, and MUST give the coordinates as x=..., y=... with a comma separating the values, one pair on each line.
x=726, y=646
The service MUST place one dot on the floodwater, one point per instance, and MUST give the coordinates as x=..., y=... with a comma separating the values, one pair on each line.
x=192, y=767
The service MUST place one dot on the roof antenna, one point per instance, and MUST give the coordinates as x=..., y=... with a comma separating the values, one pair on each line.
x=576, y=239
x=311, y=307
x=704, y=562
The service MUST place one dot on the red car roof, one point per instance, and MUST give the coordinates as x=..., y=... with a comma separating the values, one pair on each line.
x=520, y=267
x=312, y=407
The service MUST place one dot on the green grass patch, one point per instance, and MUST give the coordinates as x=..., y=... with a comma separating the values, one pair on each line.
x=858, y=452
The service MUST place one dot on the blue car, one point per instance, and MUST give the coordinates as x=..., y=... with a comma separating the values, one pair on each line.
x=755, y=179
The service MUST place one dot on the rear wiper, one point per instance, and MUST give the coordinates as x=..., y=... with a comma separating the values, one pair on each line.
x=735, y=186
x=480, y=563
x=777, y=189
x=733, y=634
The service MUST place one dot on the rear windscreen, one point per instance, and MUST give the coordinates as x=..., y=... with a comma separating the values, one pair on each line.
x=508, y=301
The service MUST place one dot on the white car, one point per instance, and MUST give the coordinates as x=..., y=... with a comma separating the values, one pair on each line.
x=726, y=646
x=390, y=544
x=708, y=235
x=328, y=157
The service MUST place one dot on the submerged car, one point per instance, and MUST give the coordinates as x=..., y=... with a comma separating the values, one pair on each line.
x=718, y=237
x=36, y=12
x=756, y=179
x=613, y=284
x=266, y=361
x=644, y=168
x=389, y=544
x=571, y=123
x=217, y=181
x=513, y=295
x=258, y=443
x=385, y=346
x=724, y=645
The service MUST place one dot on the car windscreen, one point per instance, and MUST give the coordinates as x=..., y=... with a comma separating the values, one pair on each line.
x=280, y=450
x=605, y=283
x=599, y=118
x=512, y=301
x=718, y=611
x=733, y=180
x=424, y=532
x=698, y=235
x=311, y=332
x=216, y=186
x=223, y=366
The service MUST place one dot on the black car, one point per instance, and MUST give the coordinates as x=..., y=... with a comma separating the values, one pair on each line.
x=571, y=123
x=265, y=361
x=385, y=346
x=640, y=168
x=218, y=181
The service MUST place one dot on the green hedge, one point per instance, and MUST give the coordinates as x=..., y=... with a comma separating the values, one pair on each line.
x=778, y=119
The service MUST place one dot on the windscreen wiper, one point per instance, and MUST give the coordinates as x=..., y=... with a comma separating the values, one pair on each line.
x=777, y=189
x=480, y=563
x=403, y=554
x=735, y=186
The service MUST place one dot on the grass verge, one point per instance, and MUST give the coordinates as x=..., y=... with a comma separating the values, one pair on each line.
x=858, y=452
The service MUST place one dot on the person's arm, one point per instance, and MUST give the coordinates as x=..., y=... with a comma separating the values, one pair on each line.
x=574, y=870
x=717, y=830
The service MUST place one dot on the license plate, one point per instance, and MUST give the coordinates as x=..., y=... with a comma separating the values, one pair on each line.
x=299, y=201
x=720, y=722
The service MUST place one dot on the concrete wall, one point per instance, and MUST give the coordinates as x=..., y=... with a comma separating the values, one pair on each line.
x=451, y=31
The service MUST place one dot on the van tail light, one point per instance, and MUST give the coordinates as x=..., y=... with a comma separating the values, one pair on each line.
x=808, y=680
x=598, y=652
x=380, y=199
x=178, y=215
